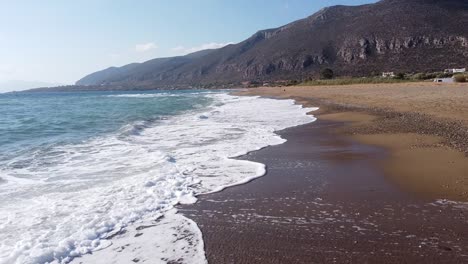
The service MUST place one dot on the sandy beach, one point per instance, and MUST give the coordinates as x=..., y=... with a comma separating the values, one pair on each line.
x=424, y=126
x=381, y=177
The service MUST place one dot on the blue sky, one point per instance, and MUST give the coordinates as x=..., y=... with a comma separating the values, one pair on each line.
x=61, y=41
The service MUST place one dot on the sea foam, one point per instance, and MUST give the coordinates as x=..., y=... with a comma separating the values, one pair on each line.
x=75, y=199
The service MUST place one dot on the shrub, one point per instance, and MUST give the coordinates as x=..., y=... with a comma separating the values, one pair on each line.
x=326, y=74
x=400, y=76
x=423, y=76
x=459, y=78
x=430, y=76
x=348, y=81
x=443, y=75
x=292, y=82
x=420, y=76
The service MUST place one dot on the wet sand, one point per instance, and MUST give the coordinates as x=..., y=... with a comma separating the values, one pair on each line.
x=366, y=183
x=325, y=199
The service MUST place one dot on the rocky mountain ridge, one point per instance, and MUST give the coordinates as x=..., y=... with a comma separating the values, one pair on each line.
x=390, y=35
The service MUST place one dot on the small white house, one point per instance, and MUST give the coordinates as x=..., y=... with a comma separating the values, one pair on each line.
x=443, y=80
x=388, y=74
x=462, y=70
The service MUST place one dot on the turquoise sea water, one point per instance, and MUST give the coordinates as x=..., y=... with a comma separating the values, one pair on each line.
x=34, y=121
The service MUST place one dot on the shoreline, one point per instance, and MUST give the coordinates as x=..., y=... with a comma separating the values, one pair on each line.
x=329, y=196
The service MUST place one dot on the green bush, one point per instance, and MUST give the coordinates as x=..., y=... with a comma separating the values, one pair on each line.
x=292, y=82
x=326, y=74
x=460, y=78
x=419, y=76
x=443, y=75
x=399, y=76
x=430, y=76
x=348, y=81
x=423, y=76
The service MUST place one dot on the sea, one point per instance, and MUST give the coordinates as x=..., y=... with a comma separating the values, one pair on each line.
x=78, y=170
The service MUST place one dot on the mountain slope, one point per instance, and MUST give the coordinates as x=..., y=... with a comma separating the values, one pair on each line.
x=135, y=72
x=391, y=35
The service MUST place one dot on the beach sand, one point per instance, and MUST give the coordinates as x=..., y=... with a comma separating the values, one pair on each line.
x=424, y=126
x=366, y=183
x=440, y=100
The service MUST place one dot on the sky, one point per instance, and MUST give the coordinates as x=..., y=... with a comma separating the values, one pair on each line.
x=59, y=41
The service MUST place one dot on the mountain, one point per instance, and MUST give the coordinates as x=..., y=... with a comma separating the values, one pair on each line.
x=390, y=35
x=139, y=72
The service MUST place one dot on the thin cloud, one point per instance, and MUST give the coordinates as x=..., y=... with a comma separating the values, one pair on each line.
x=145, y=47
x=212, y=45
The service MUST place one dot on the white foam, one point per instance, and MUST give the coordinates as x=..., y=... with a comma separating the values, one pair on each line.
x=147, y=243
x=76, y=196
x=450, y=203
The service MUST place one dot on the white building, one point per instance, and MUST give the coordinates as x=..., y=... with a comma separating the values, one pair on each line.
x=443, y=80
x=388, y=74
x=462, y=70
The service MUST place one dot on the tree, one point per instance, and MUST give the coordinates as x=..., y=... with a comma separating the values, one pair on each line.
x=326, y=74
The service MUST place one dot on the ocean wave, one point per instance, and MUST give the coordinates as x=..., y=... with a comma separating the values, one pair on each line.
x=86, y=193
x=157, y=95
x=142, y=95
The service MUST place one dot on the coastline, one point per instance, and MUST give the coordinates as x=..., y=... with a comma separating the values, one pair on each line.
x=330, y=194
